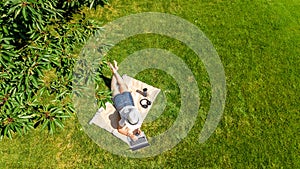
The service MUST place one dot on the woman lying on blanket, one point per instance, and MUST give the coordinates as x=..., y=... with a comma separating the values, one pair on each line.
x=130, y=121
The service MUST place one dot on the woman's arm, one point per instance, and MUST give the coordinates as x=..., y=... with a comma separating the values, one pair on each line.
x=125, y=131
x=122, y=130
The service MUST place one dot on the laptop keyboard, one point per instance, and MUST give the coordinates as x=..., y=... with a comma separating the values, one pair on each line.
x=139, y=141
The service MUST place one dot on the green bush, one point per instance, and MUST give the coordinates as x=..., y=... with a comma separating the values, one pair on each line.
x=39, y=44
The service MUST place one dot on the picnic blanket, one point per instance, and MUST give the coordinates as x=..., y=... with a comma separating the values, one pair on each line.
x=107, y=118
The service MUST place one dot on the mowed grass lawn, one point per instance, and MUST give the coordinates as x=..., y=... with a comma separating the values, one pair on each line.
x=259, y=45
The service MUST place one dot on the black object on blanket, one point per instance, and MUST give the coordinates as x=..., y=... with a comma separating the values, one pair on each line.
x=143, y=93
x=145, y=103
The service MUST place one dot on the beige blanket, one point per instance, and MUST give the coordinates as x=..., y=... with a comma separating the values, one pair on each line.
x=107, y=118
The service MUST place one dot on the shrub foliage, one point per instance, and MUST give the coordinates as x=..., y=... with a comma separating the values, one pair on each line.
x=39, y=42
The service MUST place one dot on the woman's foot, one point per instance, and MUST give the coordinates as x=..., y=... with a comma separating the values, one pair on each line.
x=116, y=65
x=114, y=68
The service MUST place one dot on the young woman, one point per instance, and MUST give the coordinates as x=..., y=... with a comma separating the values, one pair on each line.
x=130, y=121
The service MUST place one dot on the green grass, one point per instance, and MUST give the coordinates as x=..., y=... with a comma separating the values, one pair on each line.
x=258, y=43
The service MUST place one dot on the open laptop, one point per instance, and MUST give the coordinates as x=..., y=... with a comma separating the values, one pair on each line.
x=141, y=142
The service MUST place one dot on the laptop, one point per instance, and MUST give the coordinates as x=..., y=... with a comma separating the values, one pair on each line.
x=141, y=142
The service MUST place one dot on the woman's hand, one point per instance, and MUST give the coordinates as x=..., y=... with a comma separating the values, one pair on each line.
x=133, y=137
x=137, y=132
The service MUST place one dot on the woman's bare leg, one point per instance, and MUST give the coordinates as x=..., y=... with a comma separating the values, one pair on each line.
x=120, y=81
x=117, y=83
x=114, y=87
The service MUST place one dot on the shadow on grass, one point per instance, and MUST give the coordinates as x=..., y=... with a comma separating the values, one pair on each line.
x=107, y=81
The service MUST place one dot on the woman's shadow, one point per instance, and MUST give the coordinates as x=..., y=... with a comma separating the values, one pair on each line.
x=114, y=119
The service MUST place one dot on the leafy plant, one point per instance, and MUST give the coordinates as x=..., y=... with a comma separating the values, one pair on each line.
x=39, y=44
